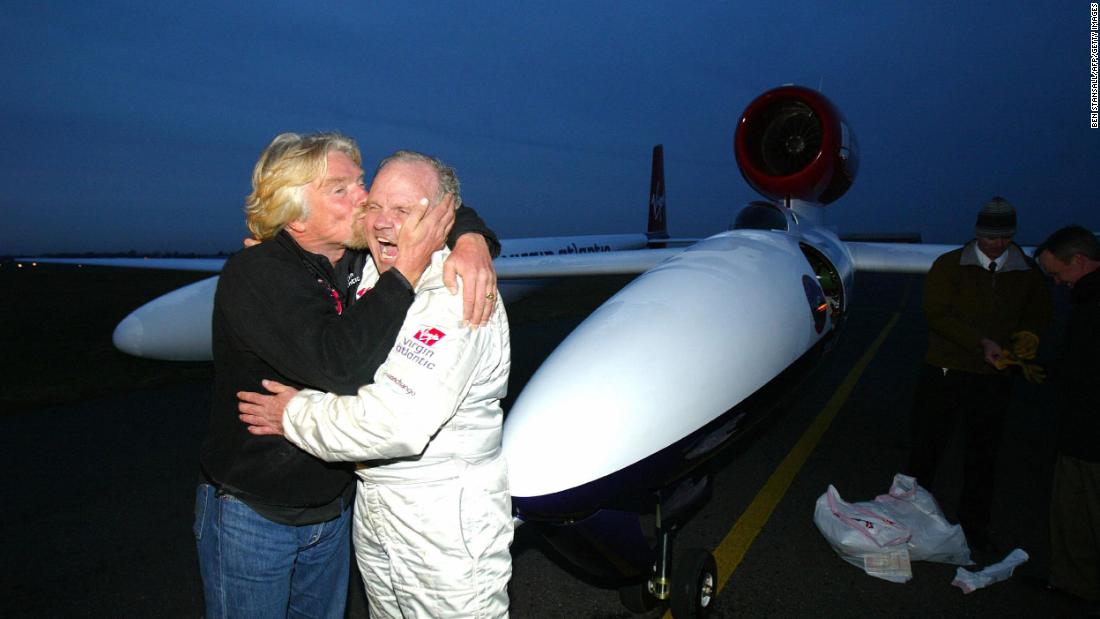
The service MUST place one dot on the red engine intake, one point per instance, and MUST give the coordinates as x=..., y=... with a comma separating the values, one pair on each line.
x=792, y=143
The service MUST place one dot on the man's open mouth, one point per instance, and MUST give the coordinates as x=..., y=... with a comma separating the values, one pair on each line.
x=387, y=248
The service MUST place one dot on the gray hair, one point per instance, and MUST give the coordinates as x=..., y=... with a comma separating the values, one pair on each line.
x=445, y=174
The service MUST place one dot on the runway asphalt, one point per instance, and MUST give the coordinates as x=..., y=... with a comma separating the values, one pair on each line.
x=97, y=521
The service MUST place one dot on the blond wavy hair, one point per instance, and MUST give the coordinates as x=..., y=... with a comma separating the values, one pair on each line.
x=288, y=164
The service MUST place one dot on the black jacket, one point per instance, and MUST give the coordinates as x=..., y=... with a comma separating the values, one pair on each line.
x=277, y=315
x=1076, y=372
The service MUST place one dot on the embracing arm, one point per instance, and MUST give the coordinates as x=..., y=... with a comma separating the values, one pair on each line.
x=467, y=221
x=474, y=247
x=419, y=387
x=423, y=382
x=279, y=313
x=278, y=306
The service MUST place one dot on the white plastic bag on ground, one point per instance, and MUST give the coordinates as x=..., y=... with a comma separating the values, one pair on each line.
x=882, y=536
x=864, y=535
x=933, y=537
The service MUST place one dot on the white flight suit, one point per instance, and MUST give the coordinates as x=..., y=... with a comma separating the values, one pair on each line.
x=433, y=517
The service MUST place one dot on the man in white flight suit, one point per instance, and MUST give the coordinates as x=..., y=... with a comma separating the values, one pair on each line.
x=433, y=521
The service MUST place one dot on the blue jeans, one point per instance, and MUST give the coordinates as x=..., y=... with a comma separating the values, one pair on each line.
x=253, y=567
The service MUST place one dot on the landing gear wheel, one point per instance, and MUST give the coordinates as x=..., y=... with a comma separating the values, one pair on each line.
x=636, y=597
x=694, y=585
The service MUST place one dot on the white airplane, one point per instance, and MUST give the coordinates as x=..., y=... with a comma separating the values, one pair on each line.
x=725, y=327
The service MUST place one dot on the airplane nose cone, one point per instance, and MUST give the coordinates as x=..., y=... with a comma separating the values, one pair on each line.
x=173, y=327
x=129, y=335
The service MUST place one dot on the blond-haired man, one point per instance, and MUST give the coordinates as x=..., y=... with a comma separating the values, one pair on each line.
x=272, y=521
x=432, y=514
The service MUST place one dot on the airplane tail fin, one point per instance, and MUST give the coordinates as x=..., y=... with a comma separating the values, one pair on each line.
x=657, y=228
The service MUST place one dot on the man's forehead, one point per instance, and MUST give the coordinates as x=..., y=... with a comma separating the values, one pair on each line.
x=340, y=168
x=330, y=179
x=403, y=182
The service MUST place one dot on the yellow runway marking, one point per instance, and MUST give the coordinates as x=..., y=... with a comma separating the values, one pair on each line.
x=731, y=551
x=733, y=548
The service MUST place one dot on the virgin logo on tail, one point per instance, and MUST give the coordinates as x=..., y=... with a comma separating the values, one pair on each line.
x=429, y=336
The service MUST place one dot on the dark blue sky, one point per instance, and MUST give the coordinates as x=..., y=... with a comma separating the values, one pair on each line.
x=134, y=125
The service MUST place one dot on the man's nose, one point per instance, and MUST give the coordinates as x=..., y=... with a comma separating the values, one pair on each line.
x=383, y=221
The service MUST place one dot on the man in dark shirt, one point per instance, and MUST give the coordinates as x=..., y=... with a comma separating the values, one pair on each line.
x=272, y=522
x=1071, y=257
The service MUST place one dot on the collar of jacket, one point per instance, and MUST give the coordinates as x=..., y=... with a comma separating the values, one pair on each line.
x=1012, y=260
x=314, y=262
x=351, y=263
x=433, y=275
x=431, y=278
x=1087, y=289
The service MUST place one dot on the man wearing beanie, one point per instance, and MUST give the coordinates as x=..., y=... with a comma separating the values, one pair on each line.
x=980, y=300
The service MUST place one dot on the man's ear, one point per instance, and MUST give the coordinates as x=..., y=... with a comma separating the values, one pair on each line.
x=297, y=226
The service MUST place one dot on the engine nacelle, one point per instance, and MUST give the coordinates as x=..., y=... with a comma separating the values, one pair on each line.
x=792, y=143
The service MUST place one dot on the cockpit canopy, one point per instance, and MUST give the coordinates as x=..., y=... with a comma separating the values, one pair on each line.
x=760, y=215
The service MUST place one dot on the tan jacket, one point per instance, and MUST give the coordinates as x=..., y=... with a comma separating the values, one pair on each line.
x=964, y=303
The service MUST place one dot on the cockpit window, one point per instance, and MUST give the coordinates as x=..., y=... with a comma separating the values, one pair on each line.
x=829, y=280
x=759, y=215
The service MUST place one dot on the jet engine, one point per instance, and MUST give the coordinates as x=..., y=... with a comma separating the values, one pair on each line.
x=793, y=144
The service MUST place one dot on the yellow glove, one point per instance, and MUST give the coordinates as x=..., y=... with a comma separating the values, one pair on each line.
x=1025, y=344
x=1006, y=359
x=1033, y=372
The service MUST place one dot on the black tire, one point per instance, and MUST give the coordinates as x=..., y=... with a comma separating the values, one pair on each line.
x=636, y=598
x=694, y=585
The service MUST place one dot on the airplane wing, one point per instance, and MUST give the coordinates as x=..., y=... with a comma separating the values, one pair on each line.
x=872, y=257
x=674, y=241
x=525, y=267
x=900, y=257
x=895, y=257
x=176, y=326
x=209, y=265
x=607, y=263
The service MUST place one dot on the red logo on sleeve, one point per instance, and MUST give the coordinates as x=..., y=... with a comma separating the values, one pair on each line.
x=429, y=336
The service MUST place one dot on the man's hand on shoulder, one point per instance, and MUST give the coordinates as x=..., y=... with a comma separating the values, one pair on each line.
x=471, y=261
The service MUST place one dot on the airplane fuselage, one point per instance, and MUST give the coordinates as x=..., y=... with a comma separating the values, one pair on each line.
x=619, y=413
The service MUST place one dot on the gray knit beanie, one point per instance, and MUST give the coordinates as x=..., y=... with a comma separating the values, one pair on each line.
x=997, y=218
